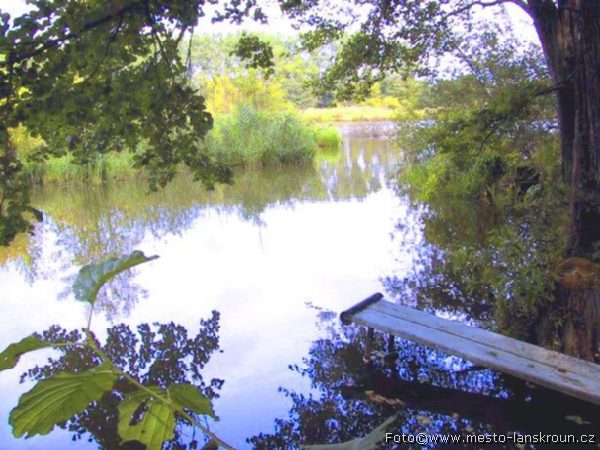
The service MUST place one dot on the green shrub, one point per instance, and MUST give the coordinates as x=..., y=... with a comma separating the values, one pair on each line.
x=255, y=138
x=249, y=138
x=328, y=137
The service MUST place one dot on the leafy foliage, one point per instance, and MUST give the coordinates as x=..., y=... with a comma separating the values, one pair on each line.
x=110, y=379
x=155, y=424
x=11, y=354
x=103, y=78
x=328, y=137
x=228, y=81
x=383, y=37
x=93, y=276
x=14, y=193
x=488, y=128
x=256, y=139
x=488, y=166
x=255, y=52
x=187, y=396
x=154, y=419
x=159, y=356
x=58, y=398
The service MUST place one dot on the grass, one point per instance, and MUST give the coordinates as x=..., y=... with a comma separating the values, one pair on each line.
x=253, y=138
x=113, y=166
x=328, y=137
x=356, y=113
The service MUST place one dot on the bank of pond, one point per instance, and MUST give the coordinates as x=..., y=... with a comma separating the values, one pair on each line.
x=248, y=138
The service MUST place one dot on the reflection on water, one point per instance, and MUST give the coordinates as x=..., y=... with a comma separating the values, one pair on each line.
x=156, y=355
x=256, y=251
x=456, y=286
x=98, y=221
x=259, y=252
x=429, y=392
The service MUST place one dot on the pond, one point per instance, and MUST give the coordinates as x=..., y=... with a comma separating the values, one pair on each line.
x=278, y=255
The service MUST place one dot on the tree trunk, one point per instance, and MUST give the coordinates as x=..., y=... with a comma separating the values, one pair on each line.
x=570, y=36
x=585, y=175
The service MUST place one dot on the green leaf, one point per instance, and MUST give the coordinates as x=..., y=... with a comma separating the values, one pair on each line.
x=10, y=355
x=93, y=276
x=59, y=398
x=187, y=396
x=156, y=422
x=368, y=442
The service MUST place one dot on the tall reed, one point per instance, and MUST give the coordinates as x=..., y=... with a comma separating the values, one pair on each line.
x=254, y=138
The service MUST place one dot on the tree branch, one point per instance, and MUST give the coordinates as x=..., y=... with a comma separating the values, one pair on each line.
x=483, y=4
x=51, y=43
x=154, y=31
x=111, y=39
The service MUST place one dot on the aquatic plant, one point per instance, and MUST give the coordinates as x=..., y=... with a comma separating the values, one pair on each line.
x=63, y=169
x=147, y=413
x=254, y=138
x=328, y=137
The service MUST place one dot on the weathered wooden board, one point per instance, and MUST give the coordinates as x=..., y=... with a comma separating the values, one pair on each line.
x=532, y=363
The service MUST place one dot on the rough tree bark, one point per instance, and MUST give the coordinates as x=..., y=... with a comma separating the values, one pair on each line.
x=569, y=31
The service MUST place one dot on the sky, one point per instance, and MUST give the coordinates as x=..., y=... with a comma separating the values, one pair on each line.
x=14, y=7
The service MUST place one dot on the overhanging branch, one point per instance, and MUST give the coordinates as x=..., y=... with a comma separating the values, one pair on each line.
x=485, y=4
x=51, y=43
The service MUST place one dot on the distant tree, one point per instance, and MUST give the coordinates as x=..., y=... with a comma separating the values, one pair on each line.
x=227, y=81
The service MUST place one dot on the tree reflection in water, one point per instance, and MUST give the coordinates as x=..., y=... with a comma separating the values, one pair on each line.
x=428, y=391
x=159, y=354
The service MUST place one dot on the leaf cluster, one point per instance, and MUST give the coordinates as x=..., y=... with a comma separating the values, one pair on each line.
x=487, y=164
x=376, y=38
x=258, y=70
x=94, y=77
x=488, y=128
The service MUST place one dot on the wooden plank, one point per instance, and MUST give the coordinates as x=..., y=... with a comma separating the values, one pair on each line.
x=536, y=353
x=550, y=369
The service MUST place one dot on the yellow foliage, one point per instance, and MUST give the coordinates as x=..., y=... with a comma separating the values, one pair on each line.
x=17, y=249
x=224, y=93
x=356, y=113
x=24, y=143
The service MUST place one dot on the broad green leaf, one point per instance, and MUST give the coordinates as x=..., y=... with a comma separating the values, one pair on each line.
x=156, y=422
x=187, y=396
x=57, y=399
x=93, y=276
x=368, y=442
x=10, y=355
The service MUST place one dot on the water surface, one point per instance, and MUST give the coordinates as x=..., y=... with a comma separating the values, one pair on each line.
x=278, y=255
x=260, y=252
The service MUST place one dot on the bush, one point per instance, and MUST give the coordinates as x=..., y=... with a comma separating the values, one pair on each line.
x=328, y=137
x=249, y=138
x=255, y=138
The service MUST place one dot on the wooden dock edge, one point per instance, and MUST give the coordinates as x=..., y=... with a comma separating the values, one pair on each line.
x=553, y=370
x=346, y=316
